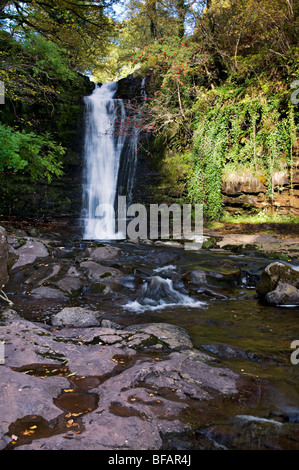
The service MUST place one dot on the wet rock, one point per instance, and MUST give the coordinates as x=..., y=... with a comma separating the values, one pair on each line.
x=26, y=343
x=104, y=432
x=158, y=289
x=29, y=252
x=205, y=292
x=97, y=272
x=29, y=396
x=214, y=274
x=274, y=274
x=103, y=253
x=284, y=294
x=174, y=337
x=75, y=317
x=73, y=272
x=19, y=233
x=279, y=285
x=109, y=324
x=225, y=351
x=3, y=258
x=9, y=315
x=140, y=396
x=249, y=432
x=48, y=293
x=190, y=375
x=43, y=274
x=69, y=284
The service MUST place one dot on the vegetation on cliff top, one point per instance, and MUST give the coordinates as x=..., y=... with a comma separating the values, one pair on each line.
x=219, y=83
x=220, y=96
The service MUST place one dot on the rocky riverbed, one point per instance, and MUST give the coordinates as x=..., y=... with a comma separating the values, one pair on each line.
x=138, y=346
x=103, y=388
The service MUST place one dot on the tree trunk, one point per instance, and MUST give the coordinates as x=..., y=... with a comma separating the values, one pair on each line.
x=182, y=10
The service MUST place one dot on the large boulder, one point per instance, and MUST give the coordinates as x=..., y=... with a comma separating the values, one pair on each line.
x=3, y=258
x=279, y=285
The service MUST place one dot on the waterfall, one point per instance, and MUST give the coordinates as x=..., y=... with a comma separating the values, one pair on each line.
x=110, y=156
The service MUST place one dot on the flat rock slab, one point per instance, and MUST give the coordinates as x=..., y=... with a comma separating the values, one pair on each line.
x=97, y=272
x=29, y=252
x=48, y=293
x=103, y=253
x=75, y=316
x=263, y=242
x=142, y=379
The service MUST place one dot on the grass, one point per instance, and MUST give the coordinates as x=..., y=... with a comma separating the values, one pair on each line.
x=254, y=219
x=260, y=218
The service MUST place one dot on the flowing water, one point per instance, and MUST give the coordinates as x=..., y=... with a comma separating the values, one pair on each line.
x=110, y=153
x=221, y=313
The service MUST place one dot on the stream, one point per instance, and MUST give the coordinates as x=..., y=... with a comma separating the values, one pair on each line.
x=208, y=292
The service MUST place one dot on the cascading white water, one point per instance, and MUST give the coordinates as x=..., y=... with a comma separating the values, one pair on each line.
x=158, y=293
x=104, y=142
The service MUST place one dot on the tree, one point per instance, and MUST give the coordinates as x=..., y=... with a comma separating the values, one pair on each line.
x=82, y=28
x=35, y=154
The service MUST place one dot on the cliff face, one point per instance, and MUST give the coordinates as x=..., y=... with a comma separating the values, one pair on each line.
x=23, y=198
x=63, y=196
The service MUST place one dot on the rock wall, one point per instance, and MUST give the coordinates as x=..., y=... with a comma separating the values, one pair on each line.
x=3, y=258
x=244, y=192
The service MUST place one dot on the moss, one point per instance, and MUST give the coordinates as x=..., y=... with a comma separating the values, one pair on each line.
x=274, y=274
x=107, y=274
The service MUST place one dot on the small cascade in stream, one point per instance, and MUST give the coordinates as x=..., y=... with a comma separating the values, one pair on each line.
x=159, y=292
x=110, y=154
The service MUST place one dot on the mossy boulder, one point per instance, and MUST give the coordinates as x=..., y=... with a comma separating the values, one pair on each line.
x=274, y=274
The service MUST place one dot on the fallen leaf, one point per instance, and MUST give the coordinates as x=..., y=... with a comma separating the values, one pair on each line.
x=27, y=432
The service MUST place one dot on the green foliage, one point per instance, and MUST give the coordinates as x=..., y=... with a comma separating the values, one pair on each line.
x=43, y=101
x=49, y=58
x=37, y=155
x=235, y=129
x=210, y=145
